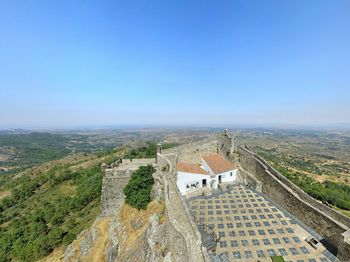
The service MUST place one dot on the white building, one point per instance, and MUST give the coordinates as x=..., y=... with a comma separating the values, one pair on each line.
x=214, y=170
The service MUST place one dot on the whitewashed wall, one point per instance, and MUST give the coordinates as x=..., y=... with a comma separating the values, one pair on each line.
x=184, y=179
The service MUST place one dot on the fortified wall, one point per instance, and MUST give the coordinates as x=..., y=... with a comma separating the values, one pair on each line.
x=328, y=223
x=114, y=179
x=187, y=241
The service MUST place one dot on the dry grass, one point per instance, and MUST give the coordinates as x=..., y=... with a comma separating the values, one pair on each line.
x=4, y=194
x=97, y=253
x=136, y=221
x=67, y=188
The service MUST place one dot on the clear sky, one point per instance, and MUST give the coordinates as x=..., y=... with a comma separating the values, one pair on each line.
x=97, y=63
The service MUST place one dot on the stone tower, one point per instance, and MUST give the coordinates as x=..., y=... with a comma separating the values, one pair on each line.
x=225, y=144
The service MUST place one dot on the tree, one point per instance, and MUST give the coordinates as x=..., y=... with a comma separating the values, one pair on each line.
x=138, y=189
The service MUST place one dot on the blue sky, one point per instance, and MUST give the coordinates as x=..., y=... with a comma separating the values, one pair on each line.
x=100, y=63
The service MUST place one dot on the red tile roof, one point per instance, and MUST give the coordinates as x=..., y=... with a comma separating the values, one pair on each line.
x=190, y=168
x=218, y=163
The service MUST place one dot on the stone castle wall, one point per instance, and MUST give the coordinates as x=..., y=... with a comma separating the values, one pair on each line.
x=184, y=235
x=325, y=221
x=112, y=196
x=113, y=182
x=225, y=144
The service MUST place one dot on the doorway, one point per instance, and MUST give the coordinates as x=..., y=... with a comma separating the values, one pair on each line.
x=220, y=179
x=204, y=183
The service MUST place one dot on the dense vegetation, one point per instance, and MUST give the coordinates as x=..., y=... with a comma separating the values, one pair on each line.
x=30, y=149
x=48, y=210
x=34, y=148
x=148, y=151
x=138, y=189
x=336, y=194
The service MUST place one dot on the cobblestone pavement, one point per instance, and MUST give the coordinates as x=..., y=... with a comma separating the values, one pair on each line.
x=249, y=226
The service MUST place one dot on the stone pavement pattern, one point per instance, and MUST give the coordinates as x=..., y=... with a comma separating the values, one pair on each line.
x=251, y=227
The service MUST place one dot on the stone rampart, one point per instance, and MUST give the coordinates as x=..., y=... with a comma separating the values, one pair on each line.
x=327, y=222
x=249, y=179
x=187, y=238
x=225, y=144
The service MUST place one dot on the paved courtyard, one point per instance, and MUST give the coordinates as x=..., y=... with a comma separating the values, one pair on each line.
x=250, y=226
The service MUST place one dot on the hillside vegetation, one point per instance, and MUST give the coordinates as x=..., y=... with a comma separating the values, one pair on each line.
x=330, y=193
x=316, y=161
x=49, y=209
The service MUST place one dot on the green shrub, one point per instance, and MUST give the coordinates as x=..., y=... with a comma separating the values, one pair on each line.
x=139, y=187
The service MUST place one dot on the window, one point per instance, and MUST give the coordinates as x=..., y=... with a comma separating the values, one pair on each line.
x=238, y=225
x=236, y=254
x=272, y=252
x=248, y=254
x=229, y=225
x=220, y=225
x=232, y=233
x=266, y=242
x=283, y=252
x=234, y=243
x=255, y=242
x=257, y=224
x=241, y=233
x=244, y=243
x=223, y=244
x=293, y=251
x=251, y=233
x=271, y=231
x=286, y=240
x=230, y=173
x=305, y=250
x=296, y=239
x=289, y=230
x=261, y=232
x=280, y=231
x=221, y=234
x=276, y=240
x=266, y=223
x=260, y=253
